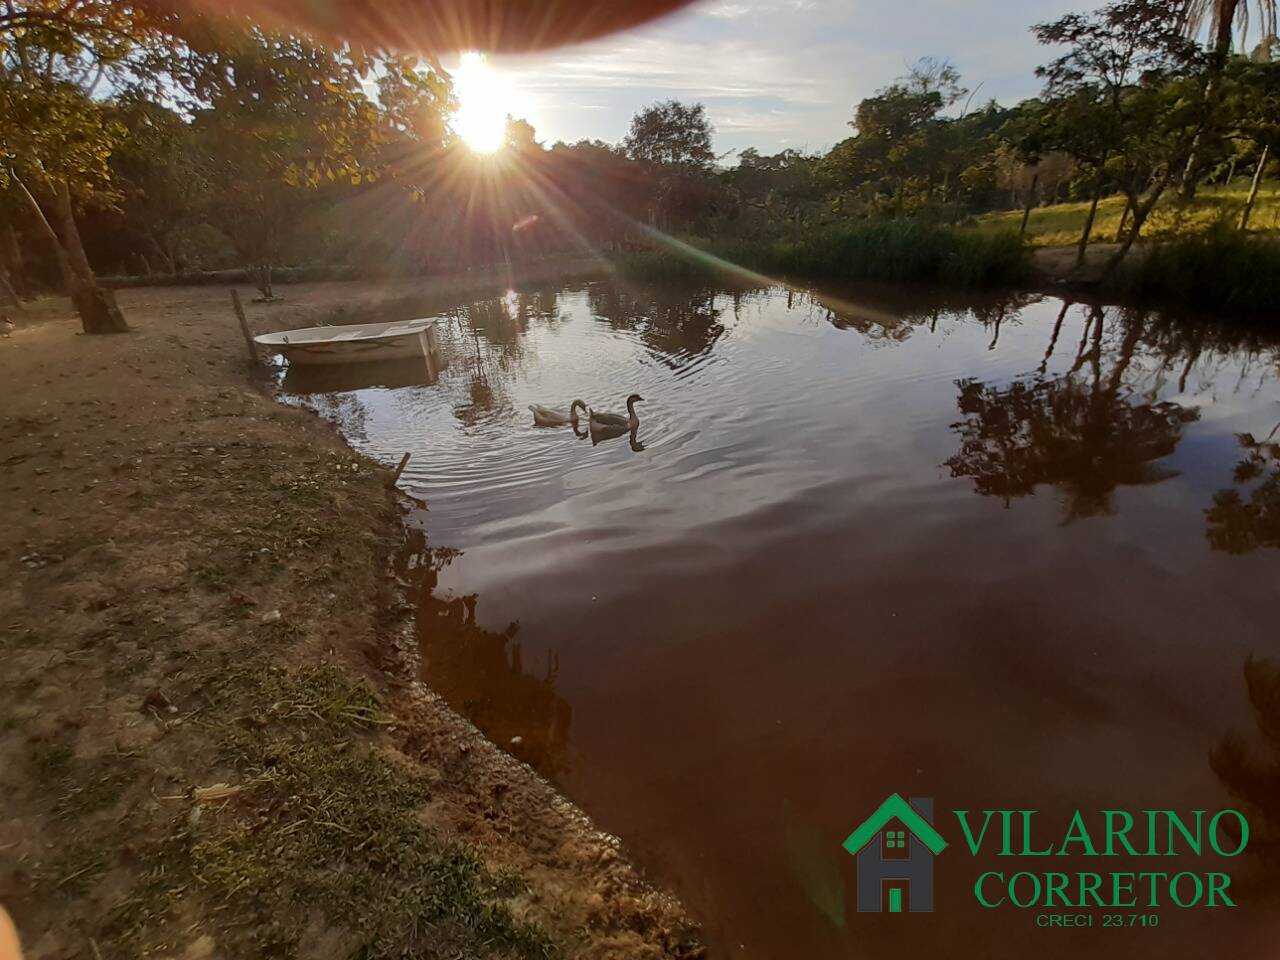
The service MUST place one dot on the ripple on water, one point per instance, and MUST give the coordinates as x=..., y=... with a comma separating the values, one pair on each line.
x=838, y=512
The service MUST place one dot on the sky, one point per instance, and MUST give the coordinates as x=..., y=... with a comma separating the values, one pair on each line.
x=776, y=75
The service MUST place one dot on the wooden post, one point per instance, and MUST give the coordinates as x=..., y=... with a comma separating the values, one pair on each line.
x=244, y=328
x=404, y=462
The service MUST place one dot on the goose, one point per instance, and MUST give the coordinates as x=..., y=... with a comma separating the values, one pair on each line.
x=546, y=417
x=629, y=422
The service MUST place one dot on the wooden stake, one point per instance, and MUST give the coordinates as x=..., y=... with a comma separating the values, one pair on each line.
x=404, y=462
x=244, y=327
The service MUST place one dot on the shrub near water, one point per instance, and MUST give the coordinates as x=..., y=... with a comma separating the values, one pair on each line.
x=898, y=250
x=1219, y=268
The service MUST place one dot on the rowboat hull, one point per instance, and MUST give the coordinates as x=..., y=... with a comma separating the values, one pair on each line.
x=315, y=354
x=359, y=343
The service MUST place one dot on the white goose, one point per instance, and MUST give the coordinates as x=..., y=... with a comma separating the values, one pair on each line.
x=546, y=417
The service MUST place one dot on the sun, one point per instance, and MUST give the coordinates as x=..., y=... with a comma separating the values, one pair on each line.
x=484, y=98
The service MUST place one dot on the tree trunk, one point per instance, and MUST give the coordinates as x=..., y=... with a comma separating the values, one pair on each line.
x=1253, y=188
x=1031, y=199
x=96, y=306
x=167, y=260
x=59, y=254
x=1053, y=340
x=1141, y=210
x=261, y=277
x=8, y=295
x=1224, y=16
x=11, y=257
x=1124, y=219
x=1088, y=221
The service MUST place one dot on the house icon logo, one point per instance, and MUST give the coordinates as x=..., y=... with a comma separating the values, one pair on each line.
x=895, y=847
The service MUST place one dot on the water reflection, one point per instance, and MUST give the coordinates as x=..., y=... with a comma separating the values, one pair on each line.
x=1247, y=516
x=1084, y=434
x=676, y=323
x=482, y=672
x=753, y=581
x=304, y=380
x=1252, y=778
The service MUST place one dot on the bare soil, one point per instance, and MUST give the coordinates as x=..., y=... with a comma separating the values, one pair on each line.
x=207, y=746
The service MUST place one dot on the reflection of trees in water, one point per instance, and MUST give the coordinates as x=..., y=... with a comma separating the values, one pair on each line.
x=1006, y=310
x=1184, y=344
x=892, y=314
x=1247, y=516
x=481, y=672
x=1251, y=778
x=1081, y=431
x=672, y=320
x=488, y=342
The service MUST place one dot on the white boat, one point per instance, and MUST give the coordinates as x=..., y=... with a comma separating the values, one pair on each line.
x=354, y=343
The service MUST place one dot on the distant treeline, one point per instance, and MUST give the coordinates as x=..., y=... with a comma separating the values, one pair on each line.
x=242, y=149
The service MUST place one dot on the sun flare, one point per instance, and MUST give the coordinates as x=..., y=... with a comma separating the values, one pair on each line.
x=483, y=102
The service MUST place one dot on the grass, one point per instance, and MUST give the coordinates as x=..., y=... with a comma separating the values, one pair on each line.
x=1060, y=225
x=1217, y=268
x=324, y=821
x=894, y=250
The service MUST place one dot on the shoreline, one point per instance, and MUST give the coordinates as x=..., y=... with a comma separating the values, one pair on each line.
x=205, y=650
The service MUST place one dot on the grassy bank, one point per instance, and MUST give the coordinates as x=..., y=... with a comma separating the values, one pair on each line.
x=1061, y=224
x=902, y=251
x=1217, y=269
x=203, y=755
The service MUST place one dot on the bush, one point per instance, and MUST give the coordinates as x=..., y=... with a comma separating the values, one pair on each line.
x=1221, y=267
x=895, y=250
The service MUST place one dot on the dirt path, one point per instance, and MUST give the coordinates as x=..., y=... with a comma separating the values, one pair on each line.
x=203, y=753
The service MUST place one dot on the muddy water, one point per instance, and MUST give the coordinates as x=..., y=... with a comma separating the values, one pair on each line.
x=1001, y=553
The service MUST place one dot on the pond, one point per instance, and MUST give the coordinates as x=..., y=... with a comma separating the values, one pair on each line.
x=1007, y=553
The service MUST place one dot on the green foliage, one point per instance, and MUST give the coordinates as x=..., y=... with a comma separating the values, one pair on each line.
x=1221, y=267
x=279, y=116
x=54, y=56
x=671, y=132
x=278, y=139
x=906, y=156
x=899, y=250
x=1126, y=98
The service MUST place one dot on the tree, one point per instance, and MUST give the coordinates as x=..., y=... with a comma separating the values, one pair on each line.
x=782, y=187
x=1220, y=16
x=55, y=137
x=905, y=156
x=671, y=132
x=157, y=175
x=888, y=154
x=1247, y=516
x=279, y=116
x=674, y=140
x=1127, y=87
x=1249, y=98
x=1082, y=435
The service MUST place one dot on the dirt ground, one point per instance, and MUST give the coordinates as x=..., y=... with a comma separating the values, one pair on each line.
x=207, y=748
